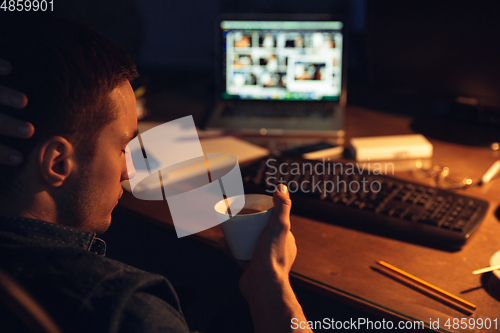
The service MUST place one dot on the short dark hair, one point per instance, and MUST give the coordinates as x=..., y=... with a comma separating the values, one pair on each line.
x=67, y=71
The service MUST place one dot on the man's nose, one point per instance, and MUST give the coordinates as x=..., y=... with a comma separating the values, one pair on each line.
x=130, y=169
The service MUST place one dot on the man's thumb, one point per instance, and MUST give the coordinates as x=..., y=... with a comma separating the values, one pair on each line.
x=282, y=202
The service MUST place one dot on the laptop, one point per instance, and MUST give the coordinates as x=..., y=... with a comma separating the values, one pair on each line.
x=280, y=75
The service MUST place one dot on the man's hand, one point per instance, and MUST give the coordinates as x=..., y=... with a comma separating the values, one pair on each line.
x=11, y=126
x=265, y=283
x=275, y=252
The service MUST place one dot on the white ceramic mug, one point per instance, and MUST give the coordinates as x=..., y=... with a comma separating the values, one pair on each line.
x=243, y=231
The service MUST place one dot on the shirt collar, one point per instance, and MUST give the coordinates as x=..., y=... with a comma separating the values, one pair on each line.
x=51, y=234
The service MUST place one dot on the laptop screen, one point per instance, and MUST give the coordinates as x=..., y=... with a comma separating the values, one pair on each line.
x=282, y=60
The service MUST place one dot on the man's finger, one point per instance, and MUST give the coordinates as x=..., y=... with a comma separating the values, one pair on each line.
x=281, y=199
x=9, y=156
x=10, y=126
x=281, y=211
x=12, y=98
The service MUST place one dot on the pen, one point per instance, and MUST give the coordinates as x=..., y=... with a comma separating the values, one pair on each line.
x=427, y=288
x=485, y=270
x=488, y=175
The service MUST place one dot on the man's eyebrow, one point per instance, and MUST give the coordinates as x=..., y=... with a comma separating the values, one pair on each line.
x=130, y=138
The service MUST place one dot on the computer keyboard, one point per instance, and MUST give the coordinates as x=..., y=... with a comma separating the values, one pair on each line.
x=279, y=110
x=350, y=195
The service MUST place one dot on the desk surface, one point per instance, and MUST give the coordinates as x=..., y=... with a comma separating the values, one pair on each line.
x=337, y=261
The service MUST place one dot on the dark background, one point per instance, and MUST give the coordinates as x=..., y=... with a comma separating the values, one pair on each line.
x=174, y=41
x=432, y=54
x=435, y=60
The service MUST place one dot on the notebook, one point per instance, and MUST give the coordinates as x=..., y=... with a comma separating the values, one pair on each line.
x=280, y=75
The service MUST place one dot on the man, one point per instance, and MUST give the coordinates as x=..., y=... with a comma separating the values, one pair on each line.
x=83, y=110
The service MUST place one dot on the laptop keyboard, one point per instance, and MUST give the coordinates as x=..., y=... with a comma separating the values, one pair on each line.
x=381, y=204
x=286, y=110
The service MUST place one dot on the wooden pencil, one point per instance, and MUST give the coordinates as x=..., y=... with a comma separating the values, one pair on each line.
x=427, y=288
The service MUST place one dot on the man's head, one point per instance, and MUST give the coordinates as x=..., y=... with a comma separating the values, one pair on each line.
x=83, y=109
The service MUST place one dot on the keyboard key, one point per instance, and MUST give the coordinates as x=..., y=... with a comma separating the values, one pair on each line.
x=459, y=226
x=429, y=221
x=446, y=225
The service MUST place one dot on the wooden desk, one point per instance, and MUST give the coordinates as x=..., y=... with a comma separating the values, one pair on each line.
x=337, y=261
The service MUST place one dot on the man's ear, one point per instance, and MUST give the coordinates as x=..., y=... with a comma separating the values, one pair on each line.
x=56, y=159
